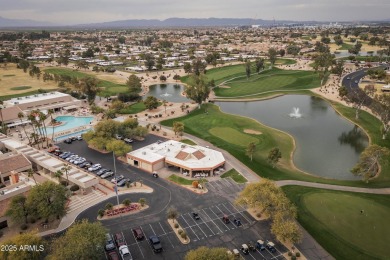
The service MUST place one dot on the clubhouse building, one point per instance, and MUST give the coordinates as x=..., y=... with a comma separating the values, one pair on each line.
x=189, y=159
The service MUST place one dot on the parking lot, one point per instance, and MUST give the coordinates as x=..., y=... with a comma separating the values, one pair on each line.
x=208, y=231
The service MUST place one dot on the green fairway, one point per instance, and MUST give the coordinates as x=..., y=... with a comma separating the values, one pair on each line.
x=107, y=87
x=21, y=88
x=270, y=80
x=236, y=176
x=345, y=46
x=348, y=225
x=233, y=136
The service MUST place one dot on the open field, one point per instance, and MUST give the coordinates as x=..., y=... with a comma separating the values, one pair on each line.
x=108, y=87
x=270, y=80
x=353, y=226
x=14, y=81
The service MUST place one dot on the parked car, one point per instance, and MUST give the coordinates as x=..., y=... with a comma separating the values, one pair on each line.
x=71, y=157
x=57, y=152
x=74, y=138
x=68, y=141
x=66, y=155
x=109, y=243
x=117, y=178
x=80, y=160
x=138, y=234
x=260, y=245
x=125, y=253
x=107, y=174
x=94, y=167
x=128, y=140
x=195, y=216
x=123, y=182
x=119, y=239
x=237, y=221
x=236, y=253
x=119, y=137
x=79, y=138
x=72, y=160
x=245, y=249
x=155, y=244
x=83, y=164
x=271, y=246
x=225, y=219
x=113, y=255
x=101, y=171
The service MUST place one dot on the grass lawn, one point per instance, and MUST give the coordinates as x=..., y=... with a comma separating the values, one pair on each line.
x=270, y=80
x=233, y=136
x=108, y=87
x=182, y=181
x=345, y=46
x=188, y=141
x=134, y=108
x=235, y=175
x=342, y=229
x=20, y=88
x=224, y=73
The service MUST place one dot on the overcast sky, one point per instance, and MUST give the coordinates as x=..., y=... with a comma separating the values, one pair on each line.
x=89, y=11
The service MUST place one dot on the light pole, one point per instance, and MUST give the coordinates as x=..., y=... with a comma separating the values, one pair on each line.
x=116, y=182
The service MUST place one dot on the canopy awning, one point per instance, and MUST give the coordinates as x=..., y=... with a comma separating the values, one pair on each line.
x=71, y=107
x=19, y=123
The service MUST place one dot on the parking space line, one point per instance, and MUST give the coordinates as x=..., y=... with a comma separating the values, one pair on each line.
x=252, y=256
x=260, y=252
x=165, y=234
x=136, y=241
x=218, y=184
x=152, y=229
x=228, y=182
x=211, y=184
x=222, y=214
x=276, y=257
x=189, y=226
x=197, y=224
x=249, y=221
x=207, y=226
x=212, y=221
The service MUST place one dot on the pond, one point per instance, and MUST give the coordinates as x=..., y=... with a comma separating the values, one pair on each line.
x=327, y=145
x=170, y=92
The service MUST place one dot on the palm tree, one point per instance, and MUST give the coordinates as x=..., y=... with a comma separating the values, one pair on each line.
x=165, y=105
x=50, y=112
x=42, y=118
x=58, y=174
x=66, y=168
x=30, y=174
x=1, y=115
x=33, y=120
x=21, y=116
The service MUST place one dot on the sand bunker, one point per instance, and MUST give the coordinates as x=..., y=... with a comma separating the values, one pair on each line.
x=253, y=132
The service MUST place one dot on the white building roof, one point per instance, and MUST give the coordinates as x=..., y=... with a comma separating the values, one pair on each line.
x=34, y=98
x=180, y=154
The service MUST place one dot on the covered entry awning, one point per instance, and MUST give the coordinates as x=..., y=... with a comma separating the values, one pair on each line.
x=19, y=123
x=72, y=107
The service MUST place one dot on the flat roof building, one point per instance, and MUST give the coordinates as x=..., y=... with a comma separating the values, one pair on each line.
x=190, y=158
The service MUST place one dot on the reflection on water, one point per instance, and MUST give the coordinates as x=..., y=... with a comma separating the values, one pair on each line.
x=170, y=92
x=327, y=144
x=356, y=138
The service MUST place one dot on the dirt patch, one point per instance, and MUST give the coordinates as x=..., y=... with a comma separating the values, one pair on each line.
x=256, y=214
x=252, y=132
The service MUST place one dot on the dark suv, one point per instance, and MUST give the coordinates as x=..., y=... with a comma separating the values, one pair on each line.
x=119, y=240
x=155, y=243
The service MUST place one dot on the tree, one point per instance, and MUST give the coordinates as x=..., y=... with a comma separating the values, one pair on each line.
x=338, y=68
x=358, y=98
x=273, y=156
x=89, y=86
x=282, y=52
x=172, y=213
x=356, y=48
x=272, y=55
x=21, y=116
x=250, y=150
x=142, y=201
x=30, y=173
x=259, y=65
x=82, y=240
x=286, y=230
x=126, y=202
x=176, y=77
x=18, y=209
x=178, y=128
x=369, y=162
x=82, y=64
x=18, y=244
x=48, y=199
x=134, y=83
x=118, y=147
x=50, y=113
x=198, y=89
x=165, y=104
x=198, y=67
x=149, y=61
x=88, y=53
x=322, y=63
x=293, y=50
x=203, y=253
x=382, y=109
x=163, y=78
x=187, y=67
x=248, y=69
x=58, y=174
x=66, y=169
x=151, y=102
x=107, y=128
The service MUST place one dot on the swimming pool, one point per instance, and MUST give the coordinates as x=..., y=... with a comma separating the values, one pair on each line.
x=70, y=122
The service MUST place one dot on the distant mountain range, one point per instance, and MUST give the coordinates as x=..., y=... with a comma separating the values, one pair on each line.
x=149, y=23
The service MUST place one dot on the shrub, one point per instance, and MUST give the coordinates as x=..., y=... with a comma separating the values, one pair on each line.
x=180, y=231
x=32, y=220
x=195, y=184
x=23, y=226
x=142, y=201
x=176, y=225
x=126, y=202
x=289, y=253
x=128, y=184
x=293, y=257
x=183, y=235
x=74, y=187
x=297, y=254
x=258, y=215
x=64, y=183
x=101, y=213
x=109, y=206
